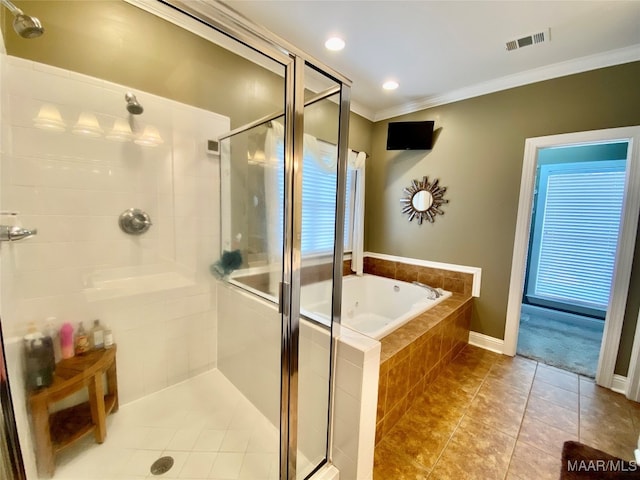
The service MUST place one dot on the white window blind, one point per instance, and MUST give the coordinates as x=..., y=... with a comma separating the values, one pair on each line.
x=575, y=233
x=319, y=186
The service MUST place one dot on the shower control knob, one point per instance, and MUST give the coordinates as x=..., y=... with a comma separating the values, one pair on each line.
x=134, y=221
x=13, y=233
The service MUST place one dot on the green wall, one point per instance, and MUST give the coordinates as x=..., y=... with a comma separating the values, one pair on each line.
x=116, y=41
x=478, y=154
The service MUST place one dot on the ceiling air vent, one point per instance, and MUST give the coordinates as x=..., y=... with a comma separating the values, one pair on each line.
x=533, y=39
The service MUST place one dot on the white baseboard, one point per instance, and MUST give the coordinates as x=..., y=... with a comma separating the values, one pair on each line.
x=619, y=384
x=485, y=341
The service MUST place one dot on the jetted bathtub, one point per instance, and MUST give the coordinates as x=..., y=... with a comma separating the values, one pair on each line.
x=374, y=306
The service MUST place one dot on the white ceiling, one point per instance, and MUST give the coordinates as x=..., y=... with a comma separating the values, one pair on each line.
x=442, y=51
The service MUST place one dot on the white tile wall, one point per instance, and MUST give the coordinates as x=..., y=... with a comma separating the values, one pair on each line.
x=249, y=356
x=73, y=188
x=356, y=396
x=249, y=348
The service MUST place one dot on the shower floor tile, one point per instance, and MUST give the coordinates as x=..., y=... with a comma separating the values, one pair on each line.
x=205, y=424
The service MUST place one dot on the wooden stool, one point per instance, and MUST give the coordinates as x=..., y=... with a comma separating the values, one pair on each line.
x=55, y=431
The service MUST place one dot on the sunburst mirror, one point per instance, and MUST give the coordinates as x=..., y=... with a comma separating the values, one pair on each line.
x=423, y=200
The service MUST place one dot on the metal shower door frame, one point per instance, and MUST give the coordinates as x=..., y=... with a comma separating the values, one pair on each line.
x=224, y=19
x=11, y=462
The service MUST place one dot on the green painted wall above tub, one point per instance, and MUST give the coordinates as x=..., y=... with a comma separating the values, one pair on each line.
x=477, y=154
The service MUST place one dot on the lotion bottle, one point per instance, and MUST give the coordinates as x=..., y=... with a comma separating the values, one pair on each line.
x=82, y=340
x=96, y=336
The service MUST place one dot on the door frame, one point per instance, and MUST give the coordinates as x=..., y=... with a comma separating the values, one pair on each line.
x=624, y=251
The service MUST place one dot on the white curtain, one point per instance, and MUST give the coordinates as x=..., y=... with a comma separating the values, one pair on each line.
x=357, y=163
x=273, y=171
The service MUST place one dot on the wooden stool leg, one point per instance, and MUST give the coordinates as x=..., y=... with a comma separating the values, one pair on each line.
x=44, y=448
x=96, y=402
x=112, y=384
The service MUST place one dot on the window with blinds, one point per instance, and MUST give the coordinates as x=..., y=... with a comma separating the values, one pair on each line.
x=319, y=187
x=575, y=235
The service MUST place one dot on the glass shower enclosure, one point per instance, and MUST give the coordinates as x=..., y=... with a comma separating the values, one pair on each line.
x=180, y=174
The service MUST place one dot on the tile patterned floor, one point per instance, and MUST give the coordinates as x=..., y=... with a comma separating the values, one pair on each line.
x=210, y=429
x=489, y=416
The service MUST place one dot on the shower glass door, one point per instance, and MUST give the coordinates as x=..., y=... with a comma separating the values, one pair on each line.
x=318, y=216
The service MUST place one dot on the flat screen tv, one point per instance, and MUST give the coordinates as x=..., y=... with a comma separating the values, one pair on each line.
x=410, y=135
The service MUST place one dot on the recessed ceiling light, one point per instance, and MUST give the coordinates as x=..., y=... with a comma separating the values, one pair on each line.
x=334, y=43
x=390, y=85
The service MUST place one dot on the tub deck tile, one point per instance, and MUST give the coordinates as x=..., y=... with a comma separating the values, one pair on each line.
x=415, y=354
x=407, y=334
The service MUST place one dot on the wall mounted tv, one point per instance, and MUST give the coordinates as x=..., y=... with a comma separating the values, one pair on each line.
x=410, y=135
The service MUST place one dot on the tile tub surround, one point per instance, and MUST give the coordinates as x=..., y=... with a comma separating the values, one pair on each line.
x=413, y=355
x=457, y=282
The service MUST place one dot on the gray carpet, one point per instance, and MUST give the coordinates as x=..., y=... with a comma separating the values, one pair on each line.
x=561, y=344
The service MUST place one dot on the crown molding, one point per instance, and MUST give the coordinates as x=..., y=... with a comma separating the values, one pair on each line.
x=363, y=111
x=561, y=69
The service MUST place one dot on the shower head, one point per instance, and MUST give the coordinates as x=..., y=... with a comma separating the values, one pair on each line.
x=27, y=27
x=24, y=25
x=133, y=107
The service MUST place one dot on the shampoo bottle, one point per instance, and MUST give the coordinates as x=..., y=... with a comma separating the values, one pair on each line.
x=40, y=363
x=66, y=340
x=50, y=331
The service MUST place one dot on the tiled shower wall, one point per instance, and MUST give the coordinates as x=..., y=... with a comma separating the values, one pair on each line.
x=72, y=188
x=249, y=356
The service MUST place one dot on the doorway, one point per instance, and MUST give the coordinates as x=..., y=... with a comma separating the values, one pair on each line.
x=574, y=232
x=612, y=327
